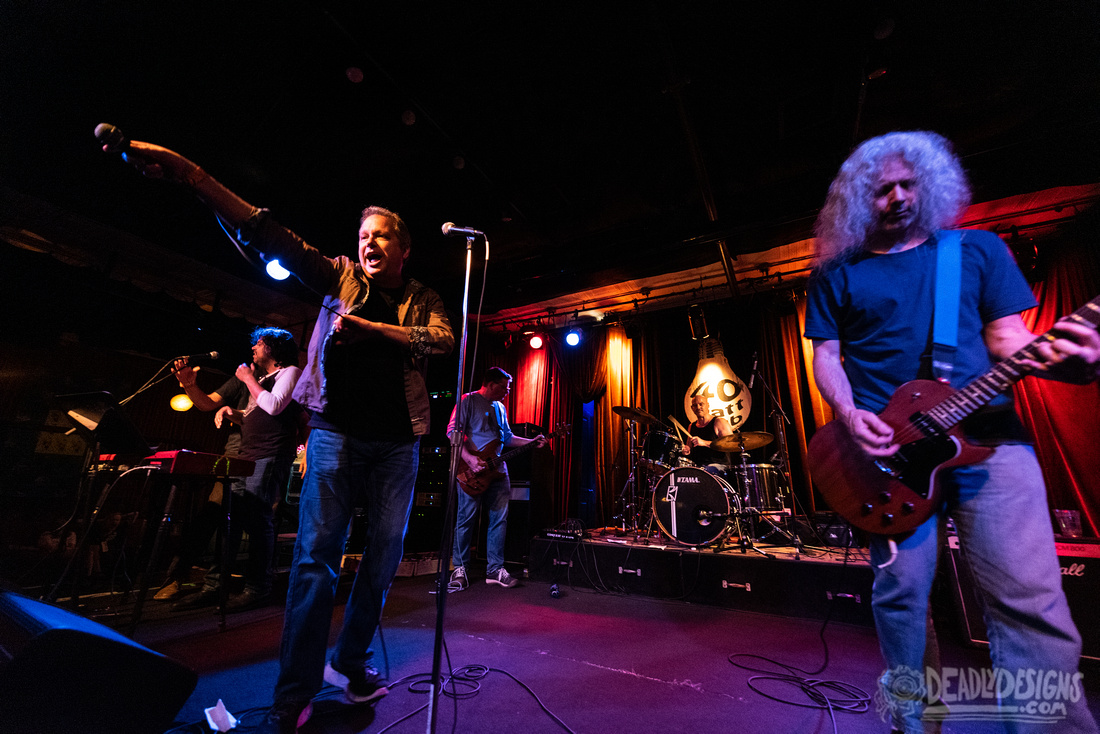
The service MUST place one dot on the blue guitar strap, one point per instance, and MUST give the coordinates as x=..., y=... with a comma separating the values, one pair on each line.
x=945, y=319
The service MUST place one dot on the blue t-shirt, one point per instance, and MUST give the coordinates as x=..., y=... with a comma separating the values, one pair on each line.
x=880, y=309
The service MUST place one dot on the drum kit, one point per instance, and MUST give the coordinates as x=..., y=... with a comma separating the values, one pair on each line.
x=693, y=505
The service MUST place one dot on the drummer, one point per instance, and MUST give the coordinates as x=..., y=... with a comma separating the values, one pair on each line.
x=704, y=430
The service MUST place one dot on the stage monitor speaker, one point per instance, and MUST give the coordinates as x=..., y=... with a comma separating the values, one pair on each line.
x=61, y=673
x=1079, y=559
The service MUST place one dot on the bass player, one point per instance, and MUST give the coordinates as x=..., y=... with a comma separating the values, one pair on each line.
x=869, y=316
x=485, y=423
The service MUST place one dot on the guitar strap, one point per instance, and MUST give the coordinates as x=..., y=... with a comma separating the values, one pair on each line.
x=945, y=316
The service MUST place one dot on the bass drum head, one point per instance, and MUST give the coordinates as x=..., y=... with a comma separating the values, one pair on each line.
x=694, y=507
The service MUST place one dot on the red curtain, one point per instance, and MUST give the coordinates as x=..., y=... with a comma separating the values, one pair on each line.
x=1065, y=419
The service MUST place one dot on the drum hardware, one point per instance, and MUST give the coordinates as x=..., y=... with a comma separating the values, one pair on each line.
x=741, y=441
x=636, y=415
x=653, y=455
x=660, y=451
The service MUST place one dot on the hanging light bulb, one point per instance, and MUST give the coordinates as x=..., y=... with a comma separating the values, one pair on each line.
x=714, y=378
x=181, y=402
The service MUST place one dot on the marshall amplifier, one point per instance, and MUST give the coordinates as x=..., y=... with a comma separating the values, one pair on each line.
x=1080, y=562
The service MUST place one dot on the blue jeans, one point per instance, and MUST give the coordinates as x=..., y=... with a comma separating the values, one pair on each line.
x=497, y=495
x=1000, y=511
x=253, y=511
x=343, y=472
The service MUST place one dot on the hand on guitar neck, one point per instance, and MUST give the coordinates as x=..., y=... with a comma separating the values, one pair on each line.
x=478, y=468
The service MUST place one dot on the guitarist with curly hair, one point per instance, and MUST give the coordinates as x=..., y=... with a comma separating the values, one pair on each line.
x=482, y=476
x=870, y=315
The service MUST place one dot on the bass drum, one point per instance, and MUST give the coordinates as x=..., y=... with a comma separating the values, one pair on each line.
x=694, y=507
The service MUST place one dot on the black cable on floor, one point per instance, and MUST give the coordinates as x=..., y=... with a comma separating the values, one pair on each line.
x=851, y=699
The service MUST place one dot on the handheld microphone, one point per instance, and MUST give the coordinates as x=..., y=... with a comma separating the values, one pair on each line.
x=192, y=358
x=450, y=230
x=752, y=375
x=111, y=138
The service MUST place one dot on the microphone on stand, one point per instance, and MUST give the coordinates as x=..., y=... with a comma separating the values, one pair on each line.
x=451, y=230
x=208, y=357
x=752, y=374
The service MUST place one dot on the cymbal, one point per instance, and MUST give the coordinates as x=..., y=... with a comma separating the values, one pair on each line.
x=751, y=439
x=635, y=414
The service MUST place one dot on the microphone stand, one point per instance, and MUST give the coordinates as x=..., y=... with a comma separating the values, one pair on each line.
x=781, y=454
x=451, y=507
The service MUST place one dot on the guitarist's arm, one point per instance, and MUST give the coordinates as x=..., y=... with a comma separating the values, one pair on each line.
x=1073, y=356
x=873, y=435
x=517, y=441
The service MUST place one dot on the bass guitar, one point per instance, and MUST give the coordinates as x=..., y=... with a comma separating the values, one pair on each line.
x=895, y=494
x=474, y=482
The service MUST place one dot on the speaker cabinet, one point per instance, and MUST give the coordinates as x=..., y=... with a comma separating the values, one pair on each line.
x=61, y=673
x=1080, y=562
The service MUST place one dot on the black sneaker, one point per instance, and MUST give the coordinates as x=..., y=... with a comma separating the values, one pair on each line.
x=360, y=686
x=205, y=598
x=502, y=578
x=285, y=718
x=458, y=580
x=247, y=599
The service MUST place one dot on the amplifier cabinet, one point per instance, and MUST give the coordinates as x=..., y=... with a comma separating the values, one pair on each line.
x=1080, y=562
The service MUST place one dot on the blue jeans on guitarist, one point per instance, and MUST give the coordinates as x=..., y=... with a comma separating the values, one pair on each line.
x=999, y=507
x=497, y=496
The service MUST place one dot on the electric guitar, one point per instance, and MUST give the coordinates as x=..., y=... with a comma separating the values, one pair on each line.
x=895, y=494
x=474, y=482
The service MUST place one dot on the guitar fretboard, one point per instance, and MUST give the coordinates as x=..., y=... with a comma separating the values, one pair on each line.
x=1003, y=375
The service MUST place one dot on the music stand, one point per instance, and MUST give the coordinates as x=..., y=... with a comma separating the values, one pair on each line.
x=98, y=419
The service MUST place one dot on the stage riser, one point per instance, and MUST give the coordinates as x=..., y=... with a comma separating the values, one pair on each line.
x=750, y=582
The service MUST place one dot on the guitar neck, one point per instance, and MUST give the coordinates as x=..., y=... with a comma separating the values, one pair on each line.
x=1003, y=375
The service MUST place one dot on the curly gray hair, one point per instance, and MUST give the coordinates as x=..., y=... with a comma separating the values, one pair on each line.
x=846, y=220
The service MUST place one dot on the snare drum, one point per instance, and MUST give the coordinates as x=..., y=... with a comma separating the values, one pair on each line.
x=660, y=451
x=694, y=507
x=760, y=486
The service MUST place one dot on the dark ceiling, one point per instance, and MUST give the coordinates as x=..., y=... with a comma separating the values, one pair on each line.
x=585, y=138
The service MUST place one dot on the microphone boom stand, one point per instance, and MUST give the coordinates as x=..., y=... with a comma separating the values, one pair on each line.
x=447, y=540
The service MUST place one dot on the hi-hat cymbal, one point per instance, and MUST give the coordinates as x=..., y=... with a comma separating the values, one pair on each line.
x=742, y=441
x=635, y=414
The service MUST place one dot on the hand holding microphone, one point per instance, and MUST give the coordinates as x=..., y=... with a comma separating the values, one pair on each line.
x=153, y=161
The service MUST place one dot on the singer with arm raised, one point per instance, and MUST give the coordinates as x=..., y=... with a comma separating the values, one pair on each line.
x=364, y=387
x=869, y=313
x=270, y=421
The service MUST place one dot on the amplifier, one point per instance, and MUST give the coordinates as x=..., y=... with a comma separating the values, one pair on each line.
x=1080, y=562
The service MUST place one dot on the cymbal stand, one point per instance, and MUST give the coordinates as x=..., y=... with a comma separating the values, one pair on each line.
x=745, y=523
x=780, y=418
x=628, y=497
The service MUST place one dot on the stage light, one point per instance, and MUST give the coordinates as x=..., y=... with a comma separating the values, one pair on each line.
x=277, y=271
x=180, y=403
x=536, y=341
x=573, y=338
